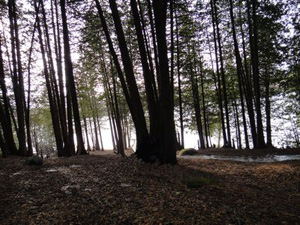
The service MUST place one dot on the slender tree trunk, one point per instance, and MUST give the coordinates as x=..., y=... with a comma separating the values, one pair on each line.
x=179, y=82
x=27, y=110
x=255, y=71
x=131, y=95
x=100, y=133
x=120, y=142
x=53, y=110
x=69, y=74
x=57, y=44
x=138, y=112
x=196, y=100
x=18, y=84
x=148, y=50
x=240, y=72
x=237, y=126
x=3, y=145
x=86, y=133
x=220, y=99
x=153, y=40
x=223, y=76
x=268, y=109
x=205, y=121
x=247, y=87
x=152, y=105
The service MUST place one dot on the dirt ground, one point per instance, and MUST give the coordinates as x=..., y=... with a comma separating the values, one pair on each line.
x=108, y=189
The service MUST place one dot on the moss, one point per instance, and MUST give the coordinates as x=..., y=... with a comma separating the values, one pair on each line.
x=34, y=160
x=198, y=182
x=188, y=151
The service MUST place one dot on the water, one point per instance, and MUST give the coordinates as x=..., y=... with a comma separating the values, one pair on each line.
x=249, y=159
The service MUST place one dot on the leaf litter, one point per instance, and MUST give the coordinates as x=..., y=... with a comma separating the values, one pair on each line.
x=108, y=189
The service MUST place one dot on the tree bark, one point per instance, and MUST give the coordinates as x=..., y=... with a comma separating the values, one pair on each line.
x=268, y=109
x=179, y=82
x=18, y=83
x=223, y=77
x=240, y=73
x=5, y=118
x=167, y=134
x=70, y=75
x=255, y=70
x=220, y=99
x=196, y=100
x=53, y=110
x=152, y=104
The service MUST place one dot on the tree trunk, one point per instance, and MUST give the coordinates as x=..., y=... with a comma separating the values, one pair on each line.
x=223, y=77
x=57, y=44
x=5, y=118
x=268, y=109
x=53, y=110
x=166, y=135
x=255, y=70
x=220, y=99
x=18, y=83
x=240, y=73
x=3, y=145
x=138, y=112
x=179, y=82
x=247, y=87
x=140, y=124
x=196, y=100
x=69, y=74
x=152, y=105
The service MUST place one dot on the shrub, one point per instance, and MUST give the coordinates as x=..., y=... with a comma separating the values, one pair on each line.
x=34, y=160
x=188, y=151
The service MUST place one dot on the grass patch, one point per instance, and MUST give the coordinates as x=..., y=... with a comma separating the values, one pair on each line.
x=188, y=151
x=198, y=182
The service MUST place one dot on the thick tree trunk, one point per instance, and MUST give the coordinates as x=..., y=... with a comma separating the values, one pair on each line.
x=5, y=118
x=167, y=134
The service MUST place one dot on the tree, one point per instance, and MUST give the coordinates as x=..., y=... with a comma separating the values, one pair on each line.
x=70, y=81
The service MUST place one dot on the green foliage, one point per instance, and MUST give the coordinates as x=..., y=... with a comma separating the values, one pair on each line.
x=188, y=151
x=198, y=182
x=34, y=160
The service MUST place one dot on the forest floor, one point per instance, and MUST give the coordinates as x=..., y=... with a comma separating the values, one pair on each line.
x=108, y=189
